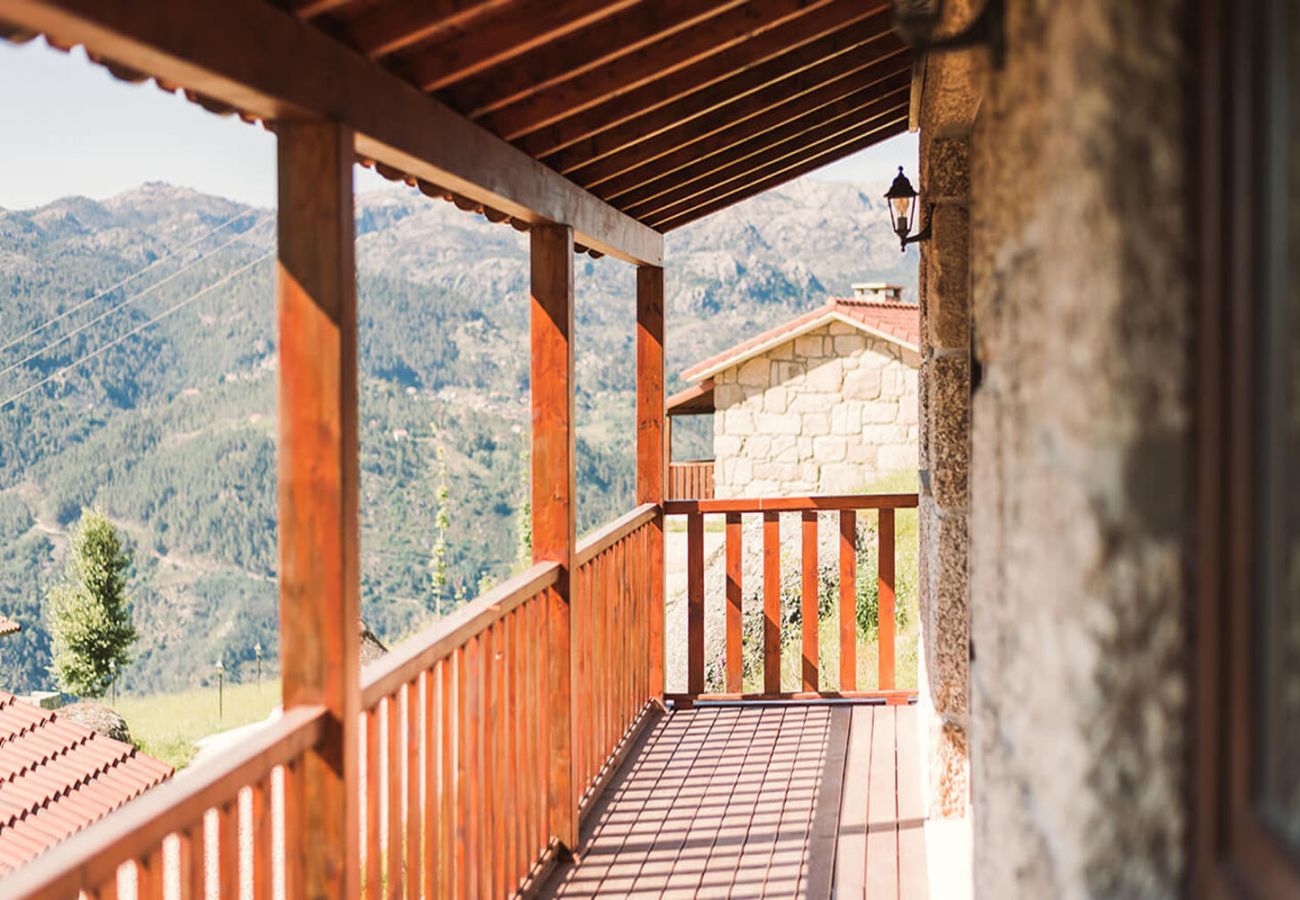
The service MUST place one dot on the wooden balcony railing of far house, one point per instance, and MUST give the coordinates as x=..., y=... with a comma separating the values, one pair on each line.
x=691, y=480
x=812, y=677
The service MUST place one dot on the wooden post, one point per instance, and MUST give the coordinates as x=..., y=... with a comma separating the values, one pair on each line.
x=551, y=317
x=652, y=446
x=319, y=544
x=885, y=600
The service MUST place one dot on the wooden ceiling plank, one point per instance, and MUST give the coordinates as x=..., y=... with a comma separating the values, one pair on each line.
x=584, y=52
x=395, y=26
x=849, y=69
x=510, y=33
x=828, y=100
x=861, y=109
x=309, y=9
x=761, y=167
x=205, y=47
x=648, y=63
x=834, y=29
x=766, y=183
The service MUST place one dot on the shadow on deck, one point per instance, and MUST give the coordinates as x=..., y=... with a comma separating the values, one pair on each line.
x=749, y=800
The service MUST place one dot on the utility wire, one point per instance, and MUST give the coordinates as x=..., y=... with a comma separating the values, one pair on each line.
x=134, y=331
x=125, y=281
x=125, y=303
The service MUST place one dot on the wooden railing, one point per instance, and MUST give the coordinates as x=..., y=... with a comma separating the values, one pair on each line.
x=691, y=480
x=614, y=650
x=734, y=511
x=456, y=748
x=191, y=831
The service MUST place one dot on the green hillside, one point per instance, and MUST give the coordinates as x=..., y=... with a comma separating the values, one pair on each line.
x=171, y=431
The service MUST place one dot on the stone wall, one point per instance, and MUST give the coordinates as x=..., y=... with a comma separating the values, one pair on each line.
x=822, y=414
x=1080, y=447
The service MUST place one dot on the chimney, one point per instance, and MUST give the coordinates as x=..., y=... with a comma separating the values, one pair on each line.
x=878, y=292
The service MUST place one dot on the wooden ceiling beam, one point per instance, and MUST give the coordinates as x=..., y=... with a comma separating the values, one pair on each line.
x=827, y=100
x=262, y=62
x=392, y=27
x=849, y=70
x=828, y=31
x=738, y=177
x=765, y=182
x=645, y=64
x=853, y=112
x=309, y=9
x=506, y=35
x=585, y=52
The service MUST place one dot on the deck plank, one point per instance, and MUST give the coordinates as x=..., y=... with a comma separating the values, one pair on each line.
x=851, y=846
x=882, y=808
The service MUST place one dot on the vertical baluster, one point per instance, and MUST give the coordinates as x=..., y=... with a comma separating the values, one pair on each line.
x=470, y=783
x=374, y=862
x=848, y=600
x=412, y=832
x=294, y=885
x=263, y=881
x=481, y=736
x=543, y=731
x=429, y=808
x=771, y=602
x=149, y=875
x=497, y=778
x=514, y=855
x=463, y=767
x=228, y=849
x=603, y=666
x=886, y=603
x=393, y=793
x=448, y=788
x=582, y=606
x=735, y=624
x=808, y=609
x=193, y=871
x=107, y=890
x=695, y=603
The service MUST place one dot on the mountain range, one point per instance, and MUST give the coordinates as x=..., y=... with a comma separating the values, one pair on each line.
x=137, y=375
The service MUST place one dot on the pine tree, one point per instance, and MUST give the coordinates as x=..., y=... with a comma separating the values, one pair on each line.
x=89, y=611
x=442, y=520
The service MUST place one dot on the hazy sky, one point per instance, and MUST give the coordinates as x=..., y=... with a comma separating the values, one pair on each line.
x=71, y=128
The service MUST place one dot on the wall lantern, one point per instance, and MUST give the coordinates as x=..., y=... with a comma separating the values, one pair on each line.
x=902, y=212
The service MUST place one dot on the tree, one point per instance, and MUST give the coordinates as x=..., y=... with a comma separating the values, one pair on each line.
x=441, y=522
x=524, y=514
x=90, y=613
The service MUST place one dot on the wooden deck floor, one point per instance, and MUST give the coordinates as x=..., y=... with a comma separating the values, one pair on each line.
x=797, y=800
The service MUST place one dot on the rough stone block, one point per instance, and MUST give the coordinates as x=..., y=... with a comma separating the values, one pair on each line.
x=743, y=472
x=757, y=446
x=897, y=457
x=828, y=376
x=949, y=430
x=948, y=167
x=846, y=344
x=863, y=383
x=725, y=395
x=830, y=449
x=776, y=399
x=838, y=328
x=726, y=446
x=808, y=346
x=754, y=372
x=948, y=298
x=881, y=412
x=739, y=420
x=846, y=418
x=768, y=423
x=782, y=372
x=815, y=423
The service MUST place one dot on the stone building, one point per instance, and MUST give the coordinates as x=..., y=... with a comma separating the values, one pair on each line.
x=821, y=404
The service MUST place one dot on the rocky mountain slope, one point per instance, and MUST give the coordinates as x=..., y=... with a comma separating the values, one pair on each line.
x=137, y=357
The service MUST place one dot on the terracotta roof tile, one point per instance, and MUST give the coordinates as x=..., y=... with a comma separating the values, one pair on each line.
x=57, y=777
x=896, y=321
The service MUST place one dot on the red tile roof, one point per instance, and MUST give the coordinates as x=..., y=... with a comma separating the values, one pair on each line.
x=9, y=626
x=57, y=777
x=892, y=320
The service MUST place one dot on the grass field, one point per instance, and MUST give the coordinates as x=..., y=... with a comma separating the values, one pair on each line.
x=167, y=725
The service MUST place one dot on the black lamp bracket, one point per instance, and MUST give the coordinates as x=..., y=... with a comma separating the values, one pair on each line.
x=987, y=29
x=922, y=235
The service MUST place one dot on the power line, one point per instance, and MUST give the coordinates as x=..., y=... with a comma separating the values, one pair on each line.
x=134, y=331
x=125, y=281
x=125, y=303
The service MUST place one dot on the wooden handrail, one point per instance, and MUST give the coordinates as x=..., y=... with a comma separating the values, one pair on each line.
x=593, y=545
x=416, y=654
x=91, y=857
x=790, y=504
